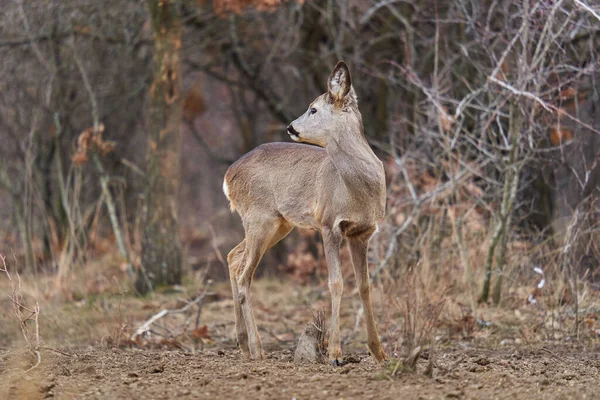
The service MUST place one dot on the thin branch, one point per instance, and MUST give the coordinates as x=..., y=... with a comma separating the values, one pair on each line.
x=508, y=49
x=33, y=43
x=523, y=93
x=274, y=104
x=587, y=8
x=206, y=147
x=145, y=327
x=15, y=298
x=31, y=40
x=104, y=178
x=112, y=212
x=133, y=167
x=547, y=106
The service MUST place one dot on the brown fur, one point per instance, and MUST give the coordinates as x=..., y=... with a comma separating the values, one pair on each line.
x=338, y=188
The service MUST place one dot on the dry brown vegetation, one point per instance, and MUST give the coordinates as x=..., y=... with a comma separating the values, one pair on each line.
x=484, y=113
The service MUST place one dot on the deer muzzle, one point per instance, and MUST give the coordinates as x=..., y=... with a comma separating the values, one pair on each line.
x=292, y=132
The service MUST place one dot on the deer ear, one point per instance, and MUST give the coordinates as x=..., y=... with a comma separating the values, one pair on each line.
x=339, y=83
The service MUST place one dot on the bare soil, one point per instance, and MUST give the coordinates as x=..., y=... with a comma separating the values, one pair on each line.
x=103, y=373
x=87, y=354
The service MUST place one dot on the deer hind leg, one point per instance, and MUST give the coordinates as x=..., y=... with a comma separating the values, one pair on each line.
x=359, y=246
x=260, y=236
x=235, y=260
x=332, y=239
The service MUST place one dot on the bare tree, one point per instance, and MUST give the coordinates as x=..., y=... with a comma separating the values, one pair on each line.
x=161, y=247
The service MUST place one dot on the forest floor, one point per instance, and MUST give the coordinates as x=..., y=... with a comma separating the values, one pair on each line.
x=515, y=373
x=87, y=351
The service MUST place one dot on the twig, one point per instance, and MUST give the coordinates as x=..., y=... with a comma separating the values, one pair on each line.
x=36, y=348
x=272, y=101
x=112, y=213
x=197, y=322
x=274, y=336
x=145, y=327
x=64, y=353
x=547, y=106
x=32, y=41
x=392, y=246
x=523, y=93
x=15, y=298
x=213, y=242
x=104, y=177
x=508, y=49
x=587, y=8
x=206, y=147
x=133, y=167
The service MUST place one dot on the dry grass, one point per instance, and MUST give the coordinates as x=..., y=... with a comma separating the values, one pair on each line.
x=422, y=296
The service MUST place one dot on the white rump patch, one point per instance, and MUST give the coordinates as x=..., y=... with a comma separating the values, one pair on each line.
x=226, y=190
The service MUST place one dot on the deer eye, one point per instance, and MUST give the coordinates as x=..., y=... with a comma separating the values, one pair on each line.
x=313, y=111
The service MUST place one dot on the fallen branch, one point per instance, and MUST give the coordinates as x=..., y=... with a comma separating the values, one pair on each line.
x=145, y=327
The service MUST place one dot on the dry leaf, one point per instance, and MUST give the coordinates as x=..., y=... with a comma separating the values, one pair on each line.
x=560, y=135
x=194, y=104
x=201, y=332
x=568, y=93
x=446, y=120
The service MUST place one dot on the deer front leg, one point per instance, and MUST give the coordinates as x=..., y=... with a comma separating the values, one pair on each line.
x=331, y=240
x=358, y=250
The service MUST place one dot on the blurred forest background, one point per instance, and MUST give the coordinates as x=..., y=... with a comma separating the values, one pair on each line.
x=118, y=120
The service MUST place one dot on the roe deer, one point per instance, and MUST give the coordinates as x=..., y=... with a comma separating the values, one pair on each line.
x=338, y=188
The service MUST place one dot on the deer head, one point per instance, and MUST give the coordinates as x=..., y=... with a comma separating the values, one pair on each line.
x=330, y=115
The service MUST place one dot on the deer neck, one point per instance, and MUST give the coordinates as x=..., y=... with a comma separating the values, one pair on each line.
x=356, y=163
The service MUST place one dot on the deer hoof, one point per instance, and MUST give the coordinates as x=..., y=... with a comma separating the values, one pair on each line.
x=336, y=363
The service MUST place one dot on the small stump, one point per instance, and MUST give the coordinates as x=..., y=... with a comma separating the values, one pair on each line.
x=311, y=345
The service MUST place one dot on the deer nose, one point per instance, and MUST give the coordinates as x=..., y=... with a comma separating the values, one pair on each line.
x=292, y=131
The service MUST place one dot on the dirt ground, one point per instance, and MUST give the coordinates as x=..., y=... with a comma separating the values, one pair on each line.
x=511, y=373
x=86, y=352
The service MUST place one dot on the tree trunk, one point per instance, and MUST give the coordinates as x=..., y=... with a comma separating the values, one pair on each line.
x=511, y=184
x=161, y=248
x=44, y=164
x=19, y=204
x=25, y=233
